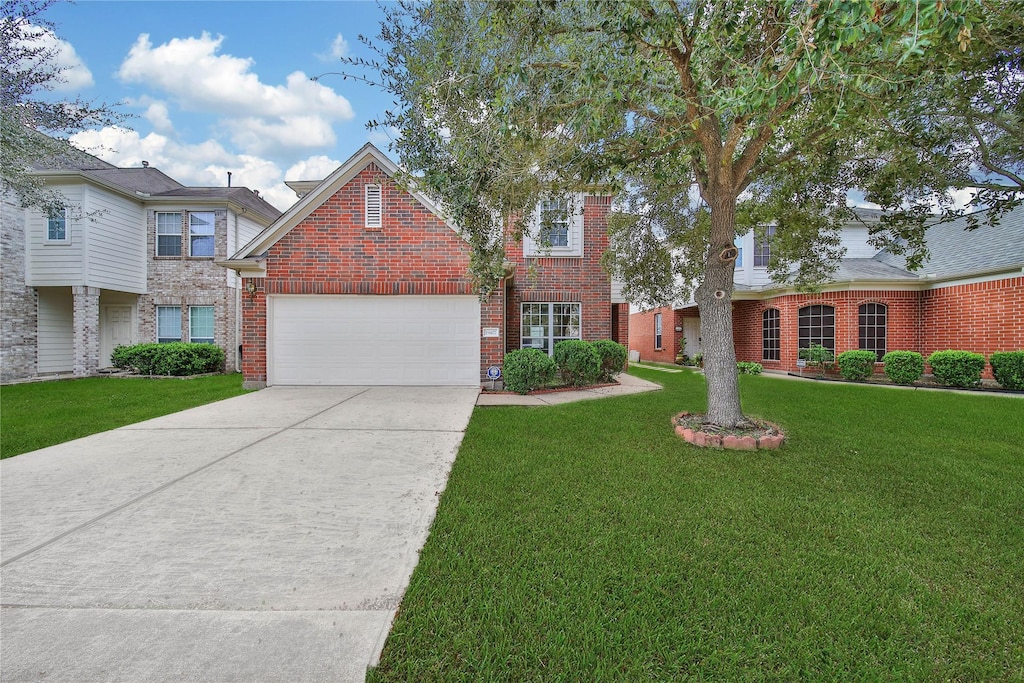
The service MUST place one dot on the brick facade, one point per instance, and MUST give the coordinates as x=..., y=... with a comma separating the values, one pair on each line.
x=186, y=281
x=642, y=337
x=18, y=303
x=982, y=317
x=86, y=306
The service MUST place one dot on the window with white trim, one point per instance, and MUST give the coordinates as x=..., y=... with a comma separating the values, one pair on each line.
x=738, y=243
x=374, y=207
x=763, y=248
x=201, y=233
x=817, y=325
x=657, y=330
x=57, y=226
x=546, y=324
x=168, y=324
x=168, y=233
x=554, y=224
x=871, y=328
x=200, y=324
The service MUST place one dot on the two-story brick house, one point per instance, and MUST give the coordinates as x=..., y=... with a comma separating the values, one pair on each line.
x=130, y=260
x=969, y=294
x=364, y=282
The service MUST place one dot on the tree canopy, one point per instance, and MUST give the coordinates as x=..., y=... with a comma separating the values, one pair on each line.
x=711, y=117
x=33, y=125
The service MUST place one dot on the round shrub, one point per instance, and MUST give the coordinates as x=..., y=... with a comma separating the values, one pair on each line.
x=746, y=368
x=903, y=367
x=527, y=369
x=856, y=365
x=613, y=358
x=957, y=368
x=577, y=362
x=1008, y=368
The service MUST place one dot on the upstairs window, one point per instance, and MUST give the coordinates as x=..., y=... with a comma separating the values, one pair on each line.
x=168, y=324
x=738, y=243
x=57, y=226
x=554, y=224
x=201, y=233
x=657, y=330
x=168, y=234
x=763, y=249
x=374, y=207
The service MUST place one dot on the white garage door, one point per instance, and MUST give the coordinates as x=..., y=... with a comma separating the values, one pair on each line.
x=374, y=340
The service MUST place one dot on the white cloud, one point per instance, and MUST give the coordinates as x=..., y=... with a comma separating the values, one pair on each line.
x=338, y=50
x=314, y=168
x=74, y=74
x=383, y=137
x=260, y=118
x=157, y=114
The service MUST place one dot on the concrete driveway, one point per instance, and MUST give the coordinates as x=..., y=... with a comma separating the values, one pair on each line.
x=268, y=537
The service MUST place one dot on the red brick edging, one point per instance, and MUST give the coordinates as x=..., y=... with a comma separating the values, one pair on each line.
x=729, y=442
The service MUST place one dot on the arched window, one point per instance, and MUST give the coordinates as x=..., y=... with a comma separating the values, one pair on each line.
x=817, y=325
x=871, y=328
x=770, y=334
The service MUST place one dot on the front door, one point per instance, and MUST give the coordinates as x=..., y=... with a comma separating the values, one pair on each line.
x=691, y=330
x=116, y=330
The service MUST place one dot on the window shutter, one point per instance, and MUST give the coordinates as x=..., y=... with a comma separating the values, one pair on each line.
x=373, y=206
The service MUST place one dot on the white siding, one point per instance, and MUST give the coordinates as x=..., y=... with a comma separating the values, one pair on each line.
x=56, y=330
x=116, y=243
x=746, y=273
x=56, y=263
x=617, y=297
x=855, y=239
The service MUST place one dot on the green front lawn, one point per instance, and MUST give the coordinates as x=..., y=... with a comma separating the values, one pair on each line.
x=41, y=414
x=587, y=542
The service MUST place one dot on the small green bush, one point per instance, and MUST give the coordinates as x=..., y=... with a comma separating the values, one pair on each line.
x=856, y=365
x=1008, y=368
x=746, y=368
x=613, y=358
x=817, y=356
x=527, y=369
x=577, y=361
x=957, y=368
x=698, y=359
x=903, y=367
x=177, y=358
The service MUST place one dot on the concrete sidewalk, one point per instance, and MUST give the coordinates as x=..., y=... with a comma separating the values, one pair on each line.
x=268, y=537
x=627, y=384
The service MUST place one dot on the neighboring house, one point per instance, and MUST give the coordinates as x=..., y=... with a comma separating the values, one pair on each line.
x=968, y=295
x=130, y=260
x=361, y=282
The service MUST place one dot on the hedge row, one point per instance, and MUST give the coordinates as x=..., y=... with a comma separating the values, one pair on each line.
x=954, y=368
x=575, y=362
x=176, y=358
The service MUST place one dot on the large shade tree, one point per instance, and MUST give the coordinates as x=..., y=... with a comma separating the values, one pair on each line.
x=34, y=123
x=711, y=116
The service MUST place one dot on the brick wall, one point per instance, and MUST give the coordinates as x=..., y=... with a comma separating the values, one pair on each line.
x=565, y=279
x=18, y=322
x=254, y=334
x=641, y=334
x=186, y=281
x=983, y=317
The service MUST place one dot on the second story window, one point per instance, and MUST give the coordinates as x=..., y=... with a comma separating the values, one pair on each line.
x=201, y=233
x=168, y=234
x=57, y=226
x=763, y=248
x=554, y=223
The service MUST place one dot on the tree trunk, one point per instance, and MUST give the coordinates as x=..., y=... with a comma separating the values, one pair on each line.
x=714, y=301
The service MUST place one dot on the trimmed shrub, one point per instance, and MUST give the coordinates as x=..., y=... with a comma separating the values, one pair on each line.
x=698, y=359
x=957, y=368
x=746, y=368
x=1008, y=368
x=577, y=361
x=903, y=367
x=527, y=369
x=817, y=356
x=613, y=358
x=856, y=365
x=177, y=358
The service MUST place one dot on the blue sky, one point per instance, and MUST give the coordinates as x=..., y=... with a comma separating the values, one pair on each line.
x=224, y=86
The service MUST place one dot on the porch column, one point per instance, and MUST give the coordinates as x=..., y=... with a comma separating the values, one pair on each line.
x=87, y=329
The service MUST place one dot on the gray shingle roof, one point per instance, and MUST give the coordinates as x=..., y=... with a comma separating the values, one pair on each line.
x=240, y=195
x=869, y=269
x=146, y=179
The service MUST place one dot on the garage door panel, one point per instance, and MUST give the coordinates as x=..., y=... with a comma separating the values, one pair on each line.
x=374, y=340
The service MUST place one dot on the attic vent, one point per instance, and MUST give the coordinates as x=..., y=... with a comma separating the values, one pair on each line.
x=373, y=206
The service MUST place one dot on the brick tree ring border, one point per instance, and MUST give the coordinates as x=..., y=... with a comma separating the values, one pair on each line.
x=771, y=440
